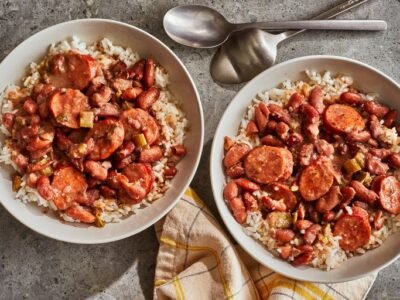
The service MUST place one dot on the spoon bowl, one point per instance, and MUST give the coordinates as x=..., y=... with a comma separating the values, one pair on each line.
x=197, y=26
x=229, y=65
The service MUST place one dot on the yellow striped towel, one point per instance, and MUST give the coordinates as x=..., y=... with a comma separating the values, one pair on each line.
x=197, y=260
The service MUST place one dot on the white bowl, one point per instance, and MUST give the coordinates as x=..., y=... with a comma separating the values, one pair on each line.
x=13, y=68
x=367, y=79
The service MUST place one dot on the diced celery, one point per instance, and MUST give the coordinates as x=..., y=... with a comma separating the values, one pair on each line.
x=351, y=166
x=86, y=119
x=98, y=222
x=47, y=171
x=360, y=158
x=364, y=177
x=140, y=140
x=16, y=182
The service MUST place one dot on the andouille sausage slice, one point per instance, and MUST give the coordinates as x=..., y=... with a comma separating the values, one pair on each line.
x=389, y=194
x=235, y=154
x=266, y=164
x=280, y=191
x=141, y=173
x=342, y=118
x=354, y=230
x=315, y=181
x=69, y=185
x=108, y=136
x=71, y=70
x=66, y=106
x=138, y=121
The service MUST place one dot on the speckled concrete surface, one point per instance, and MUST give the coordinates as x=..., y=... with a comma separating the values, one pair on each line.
x=32, y=266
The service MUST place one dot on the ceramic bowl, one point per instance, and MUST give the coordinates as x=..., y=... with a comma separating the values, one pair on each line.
x=367, y=79
x=13, y=68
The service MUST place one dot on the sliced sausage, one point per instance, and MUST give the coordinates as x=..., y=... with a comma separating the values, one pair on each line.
x=341, y=118
x=151, y=155
x=70, y=184
x=108, y=136
x=354, y=231
x=147, y=98
x=138, y=121
x=330, y=200
x=375, y=108
x=235, y=154
x=67, y=105
x=315, y=181
x=140, y=172
x=316, y=99
x=363, y=193
x=389, y=195
x=71, y=70
x=280, y=191
x=267, y=164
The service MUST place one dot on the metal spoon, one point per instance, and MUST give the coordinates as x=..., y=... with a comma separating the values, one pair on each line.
x=248, y=53
x=203, y=27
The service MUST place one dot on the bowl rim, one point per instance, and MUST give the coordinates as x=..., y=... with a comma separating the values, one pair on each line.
x=162, y=213
x=216, y=188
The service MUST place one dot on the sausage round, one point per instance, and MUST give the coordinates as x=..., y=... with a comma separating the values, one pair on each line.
x=71, y=70
x=138, y=121
x=342, y=118
x=315, y=181
x=70, y=184
x=108, y=136
x=389, y=194
x=354, y=230
x=67, y=105
x=267, y=164
x=280, y=191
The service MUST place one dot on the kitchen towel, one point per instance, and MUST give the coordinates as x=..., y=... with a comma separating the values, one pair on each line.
x=197, y=260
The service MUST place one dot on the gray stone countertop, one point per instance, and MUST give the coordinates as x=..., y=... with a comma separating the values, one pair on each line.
x=33, y=266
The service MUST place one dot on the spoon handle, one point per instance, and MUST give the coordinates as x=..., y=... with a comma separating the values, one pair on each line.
x=329, y=14
x=369, y=25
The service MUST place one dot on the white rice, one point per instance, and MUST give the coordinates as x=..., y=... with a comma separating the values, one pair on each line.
x=167, y=111
x=329, y=254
